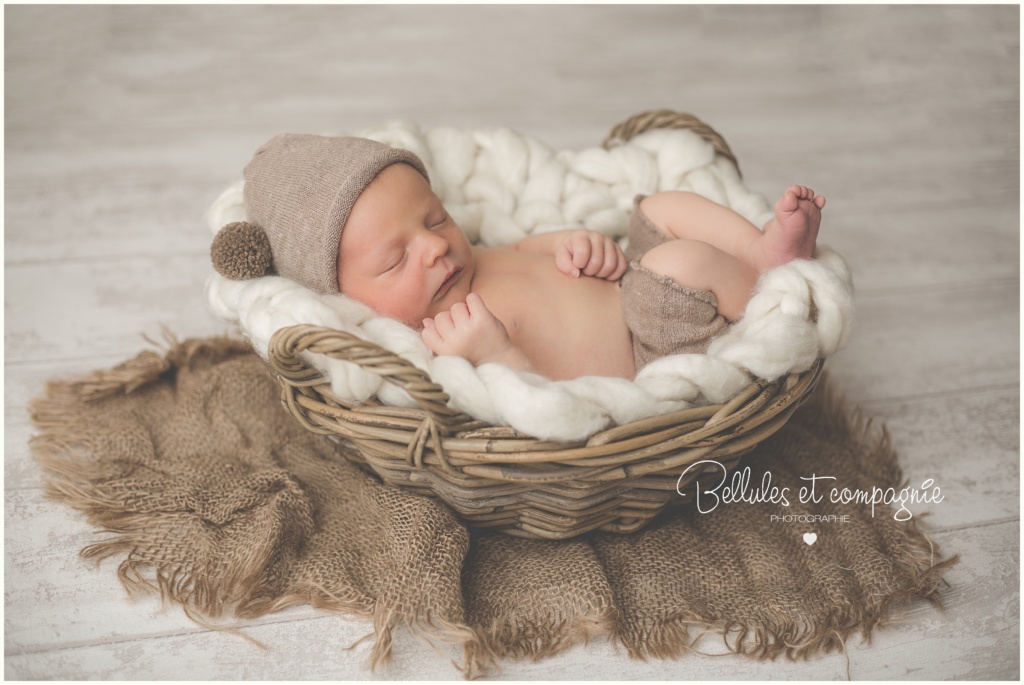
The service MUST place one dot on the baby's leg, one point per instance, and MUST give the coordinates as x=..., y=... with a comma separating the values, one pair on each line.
x=702, y=266
x=790, y=235
x=688, y=216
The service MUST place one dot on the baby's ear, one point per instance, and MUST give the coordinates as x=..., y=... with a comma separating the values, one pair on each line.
x=241, y=251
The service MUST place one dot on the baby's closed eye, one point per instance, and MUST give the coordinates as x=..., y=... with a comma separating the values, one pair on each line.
x=393, y=263
x=440, y=220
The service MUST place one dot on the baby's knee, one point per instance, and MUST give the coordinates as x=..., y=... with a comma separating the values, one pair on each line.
x=690, y=263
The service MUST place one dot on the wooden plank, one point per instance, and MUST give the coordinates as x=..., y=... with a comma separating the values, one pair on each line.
x=975, y=637
x=921, y=247
x=101, y=308
x=883, y=57
x=967, y=443
x=121, y=216
x=931, y=341
x=964, y=149
x=913, y=73
x=54, y=597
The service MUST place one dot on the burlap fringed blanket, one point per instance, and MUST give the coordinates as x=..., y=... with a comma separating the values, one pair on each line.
x=216, y=498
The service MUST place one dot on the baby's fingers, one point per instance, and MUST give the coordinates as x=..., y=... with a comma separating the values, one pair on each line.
x=431, y=336
x=598, y=256
x=459, y=313
x=565, y=260
x=610, y=262
x=585, y=255
x=444, y=325
x=620, y=265
x=476, y=306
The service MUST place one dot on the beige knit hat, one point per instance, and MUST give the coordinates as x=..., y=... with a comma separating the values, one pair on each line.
x=299, y=190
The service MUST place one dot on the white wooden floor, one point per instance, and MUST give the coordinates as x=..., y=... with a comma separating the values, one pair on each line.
x=124, y=122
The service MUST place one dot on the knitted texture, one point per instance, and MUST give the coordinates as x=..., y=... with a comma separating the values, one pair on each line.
x=664, y=318
x=241, y=251
x=215, y=497
x=300, y=189
x=501, y=186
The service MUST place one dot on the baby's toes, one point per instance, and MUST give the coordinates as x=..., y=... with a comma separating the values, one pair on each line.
x=788, y=202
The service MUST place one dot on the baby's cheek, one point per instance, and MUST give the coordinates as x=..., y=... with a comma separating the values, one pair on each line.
x=395, y=307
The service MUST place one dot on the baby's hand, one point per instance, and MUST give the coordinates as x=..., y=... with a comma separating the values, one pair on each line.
x=591, y=254
x=468, y=330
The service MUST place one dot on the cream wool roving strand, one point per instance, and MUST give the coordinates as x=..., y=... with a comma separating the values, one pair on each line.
x=501, y=186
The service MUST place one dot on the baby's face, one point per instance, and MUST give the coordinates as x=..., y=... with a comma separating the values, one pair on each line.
x=400, y=253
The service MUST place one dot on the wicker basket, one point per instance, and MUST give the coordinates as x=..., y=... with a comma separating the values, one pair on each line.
x=495, y=477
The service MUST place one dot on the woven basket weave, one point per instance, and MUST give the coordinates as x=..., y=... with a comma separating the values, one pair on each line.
x=495, y=477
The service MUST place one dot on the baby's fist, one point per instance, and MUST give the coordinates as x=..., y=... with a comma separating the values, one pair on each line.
x=467, y=330
x=590, y=253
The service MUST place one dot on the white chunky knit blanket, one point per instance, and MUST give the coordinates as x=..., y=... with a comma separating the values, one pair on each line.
x=501, y=186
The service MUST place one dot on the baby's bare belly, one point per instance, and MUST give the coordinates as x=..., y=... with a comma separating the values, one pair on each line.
x=568, y=327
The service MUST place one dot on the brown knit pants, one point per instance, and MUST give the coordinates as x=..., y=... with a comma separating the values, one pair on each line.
x=663, y=317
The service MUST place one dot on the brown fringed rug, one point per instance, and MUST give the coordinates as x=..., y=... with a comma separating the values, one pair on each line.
x=220, y=501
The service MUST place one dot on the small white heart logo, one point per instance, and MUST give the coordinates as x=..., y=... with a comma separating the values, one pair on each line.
x=810, y=538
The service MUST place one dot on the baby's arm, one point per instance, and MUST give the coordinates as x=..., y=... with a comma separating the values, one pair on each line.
x=579, y=252
x=469, y=330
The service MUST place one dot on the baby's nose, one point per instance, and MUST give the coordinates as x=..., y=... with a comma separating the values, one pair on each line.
x=435, y=246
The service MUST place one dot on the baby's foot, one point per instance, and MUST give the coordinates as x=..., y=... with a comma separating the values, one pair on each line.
x=793, y=232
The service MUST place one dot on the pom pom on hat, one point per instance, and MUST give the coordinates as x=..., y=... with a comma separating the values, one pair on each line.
x=241, y=251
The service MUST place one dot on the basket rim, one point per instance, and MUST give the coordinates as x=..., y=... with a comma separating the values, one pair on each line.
x=456, y=439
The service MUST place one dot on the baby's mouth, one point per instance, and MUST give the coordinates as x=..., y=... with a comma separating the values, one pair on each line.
x=447, y=283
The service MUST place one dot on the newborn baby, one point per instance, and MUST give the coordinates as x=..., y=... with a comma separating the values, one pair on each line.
x=354, y=216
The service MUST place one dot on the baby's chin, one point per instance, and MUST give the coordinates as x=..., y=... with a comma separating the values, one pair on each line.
x=415, y=321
